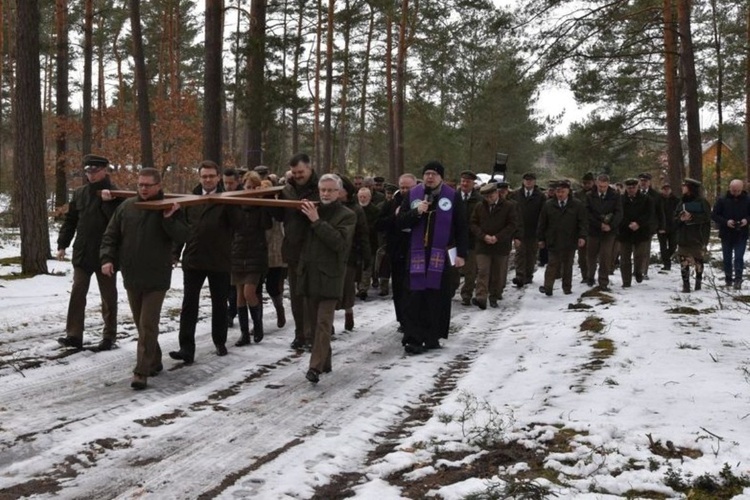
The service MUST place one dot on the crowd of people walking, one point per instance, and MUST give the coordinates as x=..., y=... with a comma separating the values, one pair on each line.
x=419, y=240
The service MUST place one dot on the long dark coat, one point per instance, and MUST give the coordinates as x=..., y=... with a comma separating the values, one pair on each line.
x=561, y=228
x=603, y=211
x=296, y=224
x=87, y=219
x=529, y=210
x=734, y=208
x=636, y=209
x=249, y=245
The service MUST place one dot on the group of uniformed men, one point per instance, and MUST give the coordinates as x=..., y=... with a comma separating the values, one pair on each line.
x=409, y=240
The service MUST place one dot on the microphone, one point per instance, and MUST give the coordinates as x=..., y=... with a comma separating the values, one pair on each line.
x=428, y=195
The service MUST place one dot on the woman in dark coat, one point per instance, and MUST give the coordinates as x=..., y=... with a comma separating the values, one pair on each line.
x=250, y=263
x=693, y=218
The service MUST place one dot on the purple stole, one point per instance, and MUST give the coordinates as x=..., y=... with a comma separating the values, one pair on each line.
x=425, y=274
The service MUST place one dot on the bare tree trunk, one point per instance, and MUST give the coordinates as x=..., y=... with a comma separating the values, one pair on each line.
x=101, y=91
x=318, y=65
x=719, y=96
x=212, y=82
x=256, y=63
x=343, y=122
x=61, y=91
x=363, y=98
x=328, y=138
x=28, y=160
x=2, y=53
x=747, y=99
x=295, y=76
x=141, y=83
x=389, y=92
x=692, y=110
x=400, y=93
x=233, y=144
x=675, y=159
x=88, y=21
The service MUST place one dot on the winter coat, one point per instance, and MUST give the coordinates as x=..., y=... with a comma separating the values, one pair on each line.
x=296, y=224
x=322, y=260
x=360, y=251
x=396, y=239
x=371, y=212
x=139, y=243
x=87, y=219
x=529, y=210
x=561, y=228
x=274, y=239
x=603, y=211
x=249, y=245
x=657, y=221
x=502, y=222
x=474, y=200
x=734, y=208
x=668, y=206
x=209, y=247
x=693, y=235
x=636, y=209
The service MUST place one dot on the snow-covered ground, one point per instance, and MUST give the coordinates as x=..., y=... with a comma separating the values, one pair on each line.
x=524, y=399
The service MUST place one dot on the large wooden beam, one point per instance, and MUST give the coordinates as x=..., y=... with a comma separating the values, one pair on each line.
x=256, y=197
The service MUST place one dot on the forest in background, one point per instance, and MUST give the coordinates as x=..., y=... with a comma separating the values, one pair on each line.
x=365, y=86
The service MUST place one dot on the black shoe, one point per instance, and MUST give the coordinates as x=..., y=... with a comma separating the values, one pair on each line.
x=243, y=340
x=362, y=295
x=466, y=301
x=105, y=345
x=156, y=370
x=181, y=356
x=567, y=292
x=414, y=349
x=591, y=282
x=626, y=285
x=298, y=344
x=638, y=277
x=312, y=376
x=604, y=288
x=518, y=282
x=221, y=350
x=546, y=292
x=645, y=277
x=481, y=304
x=138, y=383
x=493, y=303
x=71, y=342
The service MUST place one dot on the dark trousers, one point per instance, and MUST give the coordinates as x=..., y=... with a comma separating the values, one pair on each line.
x=146, y=308
x=633, y=256
x=77, y=305
x=398, y=280
x=492, y=275
x=319, y=319
x=298, y=305
x=232, y=302
x=526, y=259
x=667, y=247
x=560, y=263
x=733, y=255
x=470, y=275
x=599, y=252
x=218, y=286
x=427, y=313
x=583, y=265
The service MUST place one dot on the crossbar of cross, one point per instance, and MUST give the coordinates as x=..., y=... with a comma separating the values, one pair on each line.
x=255, y=197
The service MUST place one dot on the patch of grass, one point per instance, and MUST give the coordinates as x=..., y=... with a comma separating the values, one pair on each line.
x=605, y=348
x=745, y=299
x=669, y=450
x=684, y=310
x=592, y=324
x=10, y=261
x=707, y=486
x=685, y=345
x=604, y=298
x=580, y=306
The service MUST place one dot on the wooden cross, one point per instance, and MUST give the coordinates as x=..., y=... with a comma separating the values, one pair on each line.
x=255, y=197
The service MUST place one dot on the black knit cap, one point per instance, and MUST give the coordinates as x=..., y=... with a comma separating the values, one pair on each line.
x=435, y=166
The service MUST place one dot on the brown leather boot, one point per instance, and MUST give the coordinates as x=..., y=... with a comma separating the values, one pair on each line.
x=349, y=321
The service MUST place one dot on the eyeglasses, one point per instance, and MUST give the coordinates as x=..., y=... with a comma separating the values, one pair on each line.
x=147, y=186
x=209, y=176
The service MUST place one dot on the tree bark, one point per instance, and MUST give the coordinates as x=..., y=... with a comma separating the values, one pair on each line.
x=28, y=160
x=328, y=132
x=295, y=76
x=61, y=98
x=363, y=98
x=256, y=63
x=343, y=122
x=212, y=83
x=389, y=91
x=747, y=99
x=400, y=93
x=675, y=161
x=88, y=22
x=692, y=110
x=141, y=83
x=318, y=68
x=719, y=96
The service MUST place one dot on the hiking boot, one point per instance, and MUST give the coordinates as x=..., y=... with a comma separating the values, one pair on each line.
x=278, y=304
x=181, y=356
x=72, y=342
x=349, y=321
x=481, y=304
x=493, y=303
x=312, y=375
x=105, y=345
x=546, y=291
x=156, y=370
x=139, y=382
x=466, y=301
x=256, y=312
x=221, y=350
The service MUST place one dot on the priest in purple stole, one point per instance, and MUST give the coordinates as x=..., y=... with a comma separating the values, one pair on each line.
x=439, y=234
